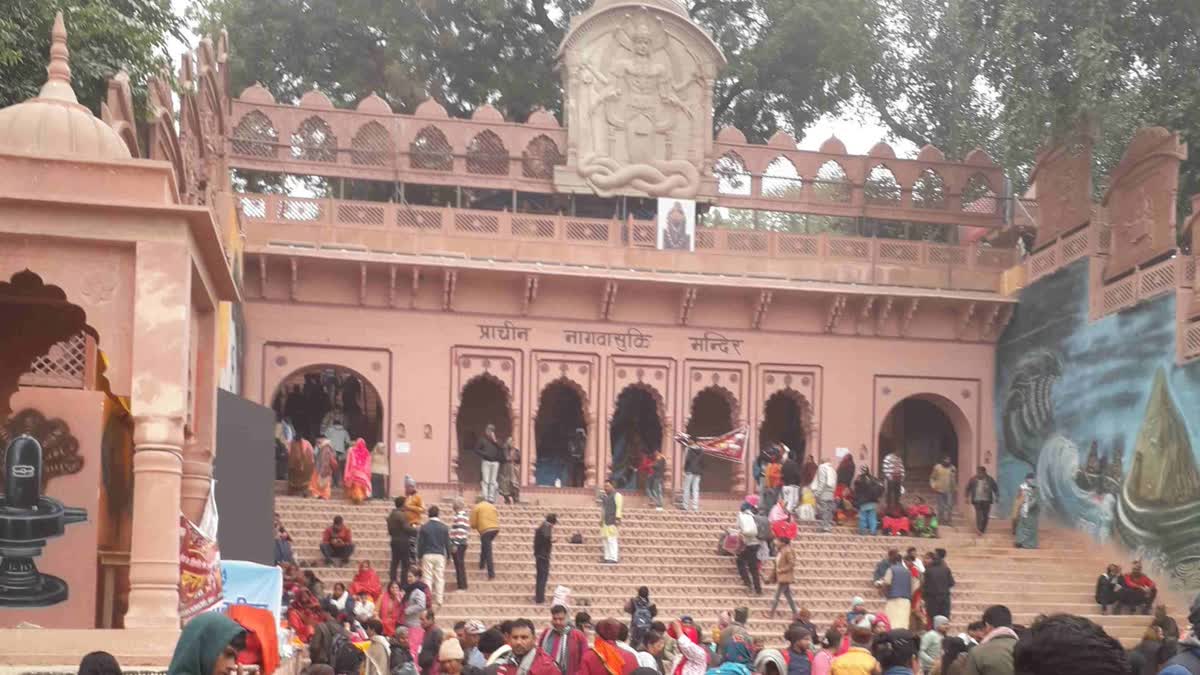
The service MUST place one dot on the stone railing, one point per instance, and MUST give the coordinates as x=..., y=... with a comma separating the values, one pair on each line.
x=282, y=223
x=486, y=151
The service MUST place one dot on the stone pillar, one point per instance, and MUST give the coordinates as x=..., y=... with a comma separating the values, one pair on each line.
x=162, y=301
x=200, y=447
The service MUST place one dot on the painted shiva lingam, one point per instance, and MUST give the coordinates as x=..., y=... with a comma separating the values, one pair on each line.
x=27, y=520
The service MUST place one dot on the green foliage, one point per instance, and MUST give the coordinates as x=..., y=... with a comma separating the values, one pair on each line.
x=790, y=61
x=1008, y=75
x=104, y=36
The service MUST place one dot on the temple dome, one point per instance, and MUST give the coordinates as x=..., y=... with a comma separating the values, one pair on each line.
x=54, y=123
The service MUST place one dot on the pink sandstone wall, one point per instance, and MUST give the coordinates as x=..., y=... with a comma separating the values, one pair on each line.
x=418, y=360
x=71, y=557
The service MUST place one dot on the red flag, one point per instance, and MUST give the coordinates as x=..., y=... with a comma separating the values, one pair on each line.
x=730, y=446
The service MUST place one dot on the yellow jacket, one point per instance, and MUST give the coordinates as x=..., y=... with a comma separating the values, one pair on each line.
x=941, y=479
x=484, y=517
x=857, y=661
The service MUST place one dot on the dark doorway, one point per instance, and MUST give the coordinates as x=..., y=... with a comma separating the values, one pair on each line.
x=636, y=432
x=330, y=400
x=484, y=401
x=783, y=422
x=921, y=434
x=560, y=413
x=712, y=415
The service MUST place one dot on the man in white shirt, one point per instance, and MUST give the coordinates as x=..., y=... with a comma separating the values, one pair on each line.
x=651, y=654
x=823, y=487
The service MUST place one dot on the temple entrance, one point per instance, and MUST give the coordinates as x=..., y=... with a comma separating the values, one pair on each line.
x=921, y=432
x=331, y=401
x=783, y=422
x=484, y=401
x=712, y=415
x=636, y=433
x=559, y=415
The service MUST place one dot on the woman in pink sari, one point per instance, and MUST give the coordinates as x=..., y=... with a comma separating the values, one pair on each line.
x=357, y=477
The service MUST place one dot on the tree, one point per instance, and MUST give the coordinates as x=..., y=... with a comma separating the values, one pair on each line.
x=789, y=60
x=1010, y=75
x=105, y=36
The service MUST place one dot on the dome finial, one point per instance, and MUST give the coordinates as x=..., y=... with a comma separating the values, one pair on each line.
x=58, y=80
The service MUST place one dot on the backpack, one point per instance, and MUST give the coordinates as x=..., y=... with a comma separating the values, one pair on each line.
x=764, y=529
x=641, y=616
x=408, y=668
x=344, y=656
x=732, y=542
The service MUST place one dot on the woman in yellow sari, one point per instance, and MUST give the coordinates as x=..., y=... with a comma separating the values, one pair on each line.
x=321, y=485
x=300, y=467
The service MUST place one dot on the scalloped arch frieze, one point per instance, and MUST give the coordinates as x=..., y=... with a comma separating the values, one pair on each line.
x=504, y=366
x=803, y=383
x=732, y=381
x=582, y=373
x=656, y=375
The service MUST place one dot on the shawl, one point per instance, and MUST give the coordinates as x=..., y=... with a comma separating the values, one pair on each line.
x=321, y=485
x=300, y=465
x=201, y=643
x=561, y=654
x=391, y=614
x=261, y=624
x=610, y=656
x=366, y=581
x=358, y=466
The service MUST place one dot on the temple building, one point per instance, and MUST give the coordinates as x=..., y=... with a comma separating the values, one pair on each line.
x=622, y=268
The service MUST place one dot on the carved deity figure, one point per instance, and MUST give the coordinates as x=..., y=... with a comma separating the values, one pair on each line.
x=640, y=89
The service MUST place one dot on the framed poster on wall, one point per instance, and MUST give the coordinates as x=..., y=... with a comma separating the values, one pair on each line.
x=676, y=224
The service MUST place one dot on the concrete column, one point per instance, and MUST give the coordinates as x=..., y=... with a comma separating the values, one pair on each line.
x=200, y=448
x=162, y=301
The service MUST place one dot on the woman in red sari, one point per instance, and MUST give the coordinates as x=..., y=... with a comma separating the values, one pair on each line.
x=366, y=581
x=391, y=609
x=357, y=477
x=304, y=613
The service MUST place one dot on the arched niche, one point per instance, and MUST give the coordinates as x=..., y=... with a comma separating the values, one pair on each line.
x=636, y=430
x=714, y=411
x=484, y=400
x=314, y=396
x=562, y=408
x=922, y=428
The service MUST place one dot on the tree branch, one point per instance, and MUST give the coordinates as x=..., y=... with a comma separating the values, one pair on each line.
x=735, y=90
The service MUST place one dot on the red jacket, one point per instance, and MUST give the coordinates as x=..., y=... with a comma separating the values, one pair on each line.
x=1141, y=582
x=592, y=665
x=327, y=538
x=577, y=646
x=542, y=665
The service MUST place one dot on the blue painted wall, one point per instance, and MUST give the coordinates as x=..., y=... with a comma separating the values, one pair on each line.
x=1063, y=383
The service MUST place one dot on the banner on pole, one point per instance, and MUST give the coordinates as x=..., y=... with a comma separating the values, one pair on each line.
x=730, y=446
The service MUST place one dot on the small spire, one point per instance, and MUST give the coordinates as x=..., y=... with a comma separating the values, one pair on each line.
x=58, y=80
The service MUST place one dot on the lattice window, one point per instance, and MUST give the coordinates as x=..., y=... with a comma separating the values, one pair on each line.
x=314, y=141
x=979, y=197
x=645, y=234
x=63, y=365
x=1043, y=262
x=476, y=222
x=299, y=209
x=1157, y=280
x=1118, y=296
x=781, y=180
x=372, y=146
x=487, y=155
x=534, y=228
x=732, y=177
x=359, y=214
x=431, y=151
x=947, y=255
x=418, y=219
x=1192, y=341
x=705, y=239
x=254, y=207
x=899, y=251
x=587, y=231
x=882, y=186
x=540, y=157
x=929, y=190
x=255, y=136
x=798, y=245
x=831, y=184
x=849, y=248
x=746, y=242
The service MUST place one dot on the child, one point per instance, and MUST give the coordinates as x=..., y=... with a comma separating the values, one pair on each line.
x=364, y=608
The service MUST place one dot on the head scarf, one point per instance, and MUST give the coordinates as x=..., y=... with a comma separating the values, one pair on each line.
x=752, y=500
x=450, y=650
x=410, y=482
x=201, y=643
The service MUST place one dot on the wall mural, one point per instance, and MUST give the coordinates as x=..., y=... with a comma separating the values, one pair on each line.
x=60, y=449
x=1105, y=418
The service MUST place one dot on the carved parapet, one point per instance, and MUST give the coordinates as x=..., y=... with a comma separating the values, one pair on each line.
x=1141, y=200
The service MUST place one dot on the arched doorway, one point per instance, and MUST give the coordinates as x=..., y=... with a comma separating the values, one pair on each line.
x=332, y=401
x=485, y=401
x=636, y=432
x=784, y=421
x=560, y=413
x=922, y=431
x=712, y=415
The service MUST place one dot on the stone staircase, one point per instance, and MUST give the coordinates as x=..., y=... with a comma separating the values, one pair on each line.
x=674, y=554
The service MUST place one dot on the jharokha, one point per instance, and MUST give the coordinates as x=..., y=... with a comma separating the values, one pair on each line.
x=182, y=287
